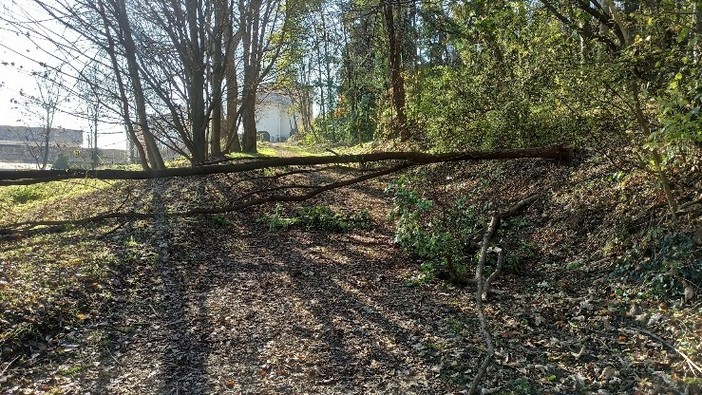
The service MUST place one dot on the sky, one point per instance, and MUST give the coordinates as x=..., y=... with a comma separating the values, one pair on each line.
x=19, y=57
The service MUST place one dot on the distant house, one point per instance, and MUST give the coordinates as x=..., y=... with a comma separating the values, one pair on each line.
x=276, y=119
x=20, y=147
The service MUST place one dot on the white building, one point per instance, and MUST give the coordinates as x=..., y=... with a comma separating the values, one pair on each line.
x=275, y=117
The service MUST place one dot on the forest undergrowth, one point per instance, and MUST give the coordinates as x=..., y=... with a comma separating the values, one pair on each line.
x=355, y=291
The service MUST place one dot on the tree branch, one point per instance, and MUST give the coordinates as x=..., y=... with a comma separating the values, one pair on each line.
x=14, y=229
x=482, y=286
x=25, y=177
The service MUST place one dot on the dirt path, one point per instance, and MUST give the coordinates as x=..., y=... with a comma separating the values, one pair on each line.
x=238, y=310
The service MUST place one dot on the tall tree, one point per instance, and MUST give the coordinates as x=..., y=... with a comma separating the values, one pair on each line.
x=263, y=26
x=394, y=14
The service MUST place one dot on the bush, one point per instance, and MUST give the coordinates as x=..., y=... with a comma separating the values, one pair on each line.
x=23, y=195
x=440, y=236
x=664, y=262
x=61, y=162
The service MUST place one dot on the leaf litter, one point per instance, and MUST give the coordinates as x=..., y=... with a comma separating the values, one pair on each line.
x=199, y=306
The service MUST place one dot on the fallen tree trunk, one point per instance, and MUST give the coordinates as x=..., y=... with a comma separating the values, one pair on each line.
x=25, y=177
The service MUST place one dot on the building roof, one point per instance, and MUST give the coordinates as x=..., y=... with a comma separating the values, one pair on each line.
x=274, y=98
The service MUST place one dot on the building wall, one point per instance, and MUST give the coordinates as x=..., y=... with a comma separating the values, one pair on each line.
x=29, y=135
x=274, y=115
x=20, y=145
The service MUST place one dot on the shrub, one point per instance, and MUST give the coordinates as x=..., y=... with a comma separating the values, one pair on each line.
x=317, y=217
x=61, y=162
x=440, y=236
x=23, y=195
x=664, y=261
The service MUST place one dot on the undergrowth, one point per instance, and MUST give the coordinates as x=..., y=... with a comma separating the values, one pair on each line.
x=21, y=197
x=441, y=236
x=316, y=217
x=47, y=282
x=663, y=262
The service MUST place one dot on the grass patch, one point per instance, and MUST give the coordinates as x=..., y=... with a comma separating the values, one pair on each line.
x=48, y=281
x=264, y=151
x=299, y=150
x=18, y=198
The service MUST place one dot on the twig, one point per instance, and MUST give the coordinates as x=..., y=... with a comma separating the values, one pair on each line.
x=112, y=356
x=498, y=269
x=482, y=286
x=8, y=366
x=113, y=230
x=154, y=310
x=682, y=208
x=693, y=366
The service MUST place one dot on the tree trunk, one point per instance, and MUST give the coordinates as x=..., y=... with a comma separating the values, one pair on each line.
x=196, y=67
x=46, y=141
x=232, y=132
x=250, y=25
x=152, y=150
x=126, y=117
x=248, y=119
x=24, y=177
x=218, y=69
x=397, y=83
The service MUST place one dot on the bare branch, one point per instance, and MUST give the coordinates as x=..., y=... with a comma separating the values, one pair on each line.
x=23, y=227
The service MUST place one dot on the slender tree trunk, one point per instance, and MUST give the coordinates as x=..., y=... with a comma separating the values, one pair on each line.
x=396, y=80
x=152, y=150
x=232, y=43
x=196, y=67
x=250, y=15
x=248, y=118
x=126, y=117
x=46, y=140
x=218, y=70
x=94, y=160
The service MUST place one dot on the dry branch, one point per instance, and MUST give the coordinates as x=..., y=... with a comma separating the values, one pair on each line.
x=482, y=285
x=14, y=229
x=25, y=177
x=491, y=229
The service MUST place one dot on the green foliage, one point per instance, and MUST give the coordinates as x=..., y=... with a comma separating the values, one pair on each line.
x=221, y=220
x=61, y=162
x=277, y=219
x=317, y=217
x=664, y=261
x=523, y=386
x=22, y=195
x=439, y=236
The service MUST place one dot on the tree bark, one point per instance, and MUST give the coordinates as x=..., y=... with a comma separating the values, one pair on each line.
x=152, y=151
x=126, y=117
x=24, y=177
x=195, y=66
x=397, y=82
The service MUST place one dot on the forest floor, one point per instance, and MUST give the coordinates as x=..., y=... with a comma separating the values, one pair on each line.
x=227, y=304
